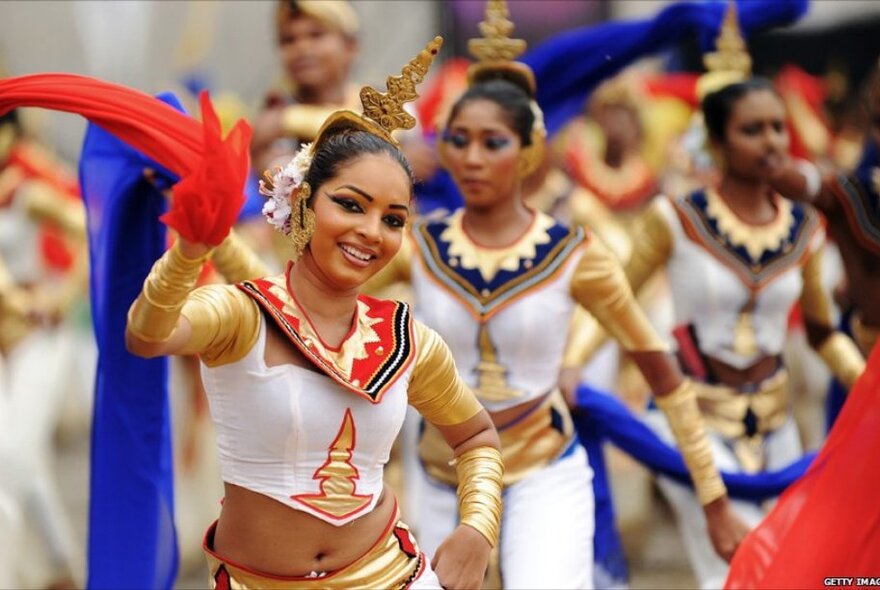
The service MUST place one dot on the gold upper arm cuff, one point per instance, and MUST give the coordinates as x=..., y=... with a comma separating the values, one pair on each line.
x=599, y=285
x=815, y=299
x=435, y=389
x=225, y=324
x=652, y=245
x=236, y=261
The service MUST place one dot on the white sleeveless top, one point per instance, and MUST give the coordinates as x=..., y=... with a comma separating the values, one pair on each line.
x=299, y=437
x=736, y=294
x=505, y=320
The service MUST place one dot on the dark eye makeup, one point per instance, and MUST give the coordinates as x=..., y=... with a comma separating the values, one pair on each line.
x=352, y=206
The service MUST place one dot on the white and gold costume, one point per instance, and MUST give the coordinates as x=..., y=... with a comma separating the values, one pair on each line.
x=505, y=313
x=733, y=287
x=314, y=438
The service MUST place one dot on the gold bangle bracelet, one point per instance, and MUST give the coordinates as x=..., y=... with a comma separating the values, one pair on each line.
x=154, y=314
x=689, y=428
x=479, y=473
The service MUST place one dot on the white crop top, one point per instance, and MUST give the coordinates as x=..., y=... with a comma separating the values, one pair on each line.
x=299, y=437
x=316, y=440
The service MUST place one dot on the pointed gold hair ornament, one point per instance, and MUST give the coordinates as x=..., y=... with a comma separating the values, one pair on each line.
x=288, y=192
x=496, y=44
x=383, y=112
x=730, y=62
x=496, y=51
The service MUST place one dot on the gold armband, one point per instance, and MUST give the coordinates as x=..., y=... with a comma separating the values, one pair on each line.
x=683, y=414
x=479, y=474
x=236, y=261
x=843, y=358
x=155, y=312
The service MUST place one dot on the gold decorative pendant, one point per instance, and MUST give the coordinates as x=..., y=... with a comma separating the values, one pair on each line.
x=492, y=381
x=745, y=341
x=302, y=220
x=338, y=476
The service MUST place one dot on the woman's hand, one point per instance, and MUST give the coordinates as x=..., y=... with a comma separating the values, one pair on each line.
x=726, y=529
x=461, y=560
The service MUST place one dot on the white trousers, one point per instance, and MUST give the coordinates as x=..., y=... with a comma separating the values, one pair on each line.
x=782, y=448
x=37, y=377
x=546, y=528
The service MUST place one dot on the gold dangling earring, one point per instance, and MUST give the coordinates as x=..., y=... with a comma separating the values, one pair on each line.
x=302, y=220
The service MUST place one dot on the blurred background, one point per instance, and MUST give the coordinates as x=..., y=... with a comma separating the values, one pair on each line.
x=231, y=48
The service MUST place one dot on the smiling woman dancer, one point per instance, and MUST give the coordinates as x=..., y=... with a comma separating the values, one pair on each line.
x=738, y=257
x=500, y=281
x=308, y=380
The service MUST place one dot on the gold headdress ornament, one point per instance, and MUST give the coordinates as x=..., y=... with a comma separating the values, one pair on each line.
x=383, y=113
x=730, y=62
x=496, y=52
x=496, y=55
x=287, y=208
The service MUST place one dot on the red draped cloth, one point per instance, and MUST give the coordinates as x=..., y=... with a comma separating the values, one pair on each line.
x=213, y=169
x=827, y=524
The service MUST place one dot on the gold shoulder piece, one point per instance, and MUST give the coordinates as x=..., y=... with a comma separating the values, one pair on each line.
x=436, y=390
x=496, y=51
x=383, y=112
x=730, y=62
x=600, y=286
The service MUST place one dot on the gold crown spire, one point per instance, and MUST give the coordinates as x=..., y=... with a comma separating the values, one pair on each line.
x=730, y=62
x=496, y=44
x=383, y=112
x=730, y=53
x=387, y=109
x=496, y=52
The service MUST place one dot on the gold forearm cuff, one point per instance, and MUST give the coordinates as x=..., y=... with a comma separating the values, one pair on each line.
x=479, y=473
x=843, y=358
x=154, y=314
x=236, y=261
x=304, y=121
x=683, y=414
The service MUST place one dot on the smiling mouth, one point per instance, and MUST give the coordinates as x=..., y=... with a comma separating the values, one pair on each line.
x=357, y=255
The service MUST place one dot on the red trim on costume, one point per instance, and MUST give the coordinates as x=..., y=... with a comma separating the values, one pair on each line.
x=371, y=376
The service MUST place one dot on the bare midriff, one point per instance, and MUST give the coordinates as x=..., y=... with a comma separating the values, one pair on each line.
x=263, y=534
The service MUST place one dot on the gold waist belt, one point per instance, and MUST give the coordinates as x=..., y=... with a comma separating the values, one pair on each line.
x=395, y=561
x=746, y=417
x=527, y=444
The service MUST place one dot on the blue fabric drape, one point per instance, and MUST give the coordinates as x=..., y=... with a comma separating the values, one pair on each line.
x=132, y=540
x=570, y=65
x=602, y=415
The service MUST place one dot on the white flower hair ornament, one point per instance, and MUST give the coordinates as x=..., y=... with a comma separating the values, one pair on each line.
x=280, y=184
